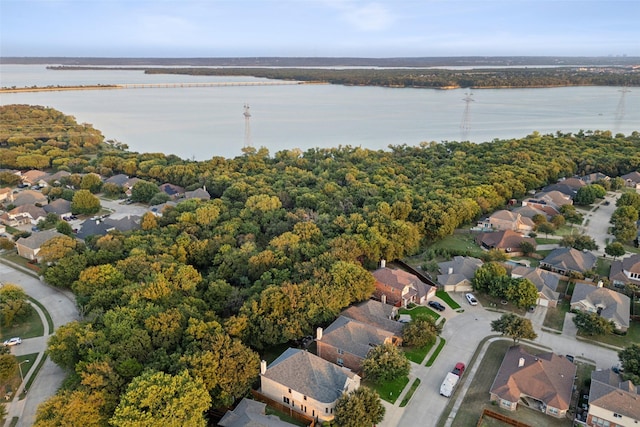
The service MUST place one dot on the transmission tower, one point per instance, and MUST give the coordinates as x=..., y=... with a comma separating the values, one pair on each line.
x=465, y=124
x=247, y=126
x=620, y=109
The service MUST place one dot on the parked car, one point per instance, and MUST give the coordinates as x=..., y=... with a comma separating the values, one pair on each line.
x=569, y=357
x=472, y=300
x=436, y=305
x=13, y=341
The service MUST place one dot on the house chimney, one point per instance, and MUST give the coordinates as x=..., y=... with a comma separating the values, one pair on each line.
x=383, y=299
x=450, y=271
x=383, y=263
x=521, y=362
x=263, y=367
x=319, y=334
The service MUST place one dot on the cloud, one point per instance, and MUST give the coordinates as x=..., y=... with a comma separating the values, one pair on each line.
x=370, y=16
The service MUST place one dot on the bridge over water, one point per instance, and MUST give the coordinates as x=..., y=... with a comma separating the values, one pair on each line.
x=152, y=86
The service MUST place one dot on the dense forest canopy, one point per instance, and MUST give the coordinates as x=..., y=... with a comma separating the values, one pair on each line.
x=283, y=245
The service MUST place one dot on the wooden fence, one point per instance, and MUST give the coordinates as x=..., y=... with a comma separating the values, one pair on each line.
x=489, y=413
x=311, y=422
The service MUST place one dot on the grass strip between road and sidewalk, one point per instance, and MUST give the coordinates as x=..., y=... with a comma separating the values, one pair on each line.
x=436, y=352
x=407, y=397
x=46, y=313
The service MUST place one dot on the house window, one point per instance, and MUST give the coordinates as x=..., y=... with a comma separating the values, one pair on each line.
x=505, y=403
x=305, y=397
x=617, y=416
x=339, y=362
x=340, y=351
x=326, y=410
x=553, y=411
x=286, y=400
x=289, y=391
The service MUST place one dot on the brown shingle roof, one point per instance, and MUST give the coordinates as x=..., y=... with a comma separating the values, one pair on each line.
x=609, y=392
x=546, y=377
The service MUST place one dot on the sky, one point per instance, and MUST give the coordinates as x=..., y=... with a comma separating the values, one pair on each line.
x=319, y=28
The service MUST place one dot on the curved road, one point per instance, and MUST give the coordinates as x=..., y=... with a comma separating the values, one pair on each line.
x=62, y=309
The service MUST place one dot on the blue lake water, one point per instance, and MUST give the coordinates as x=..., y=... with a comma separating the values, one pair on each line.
x=204, y=122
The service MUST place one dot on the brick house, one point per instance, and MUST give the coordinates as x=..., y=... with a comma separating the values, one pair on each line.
x=399, y=288
x=612, y=401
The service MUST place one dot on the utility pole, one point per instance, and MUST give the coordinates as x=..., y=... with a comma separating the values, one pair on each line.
x=247, y=127
x=465, y=124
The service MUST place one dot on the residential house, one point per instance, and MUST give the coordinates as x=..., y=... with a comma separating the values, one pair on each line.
x=569, y=186
x=594, y=178
x=29, y=197
x=612, y=401
x=174, y=191
x=119, y=179
x=102, y=226
x=506, y=241
x=625, y=271
x=507, y=220
x=250, y=413
x=546, y=283
x=543, y=382
x=346, y=342
x=632, y=179
x=198, y=193
x=23, y=215
x=56, y=178
x=456, y=275
x=35, y=177
x=306, y=383
x=375, y=313
x=28, y=247
x=60, y=207
x=6, y=195
x=549, y=202
x=568, y=260
x=531, y=211
x=608, y=303
x=399, y=288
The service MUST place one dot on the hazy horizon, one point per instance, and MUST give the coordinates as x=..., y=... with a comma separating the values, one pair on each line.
x=318, y=28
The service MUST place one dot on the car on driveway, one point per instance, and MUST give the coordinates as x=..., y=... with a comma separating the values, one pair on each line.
x=13, y=341
x=472, y=300
x=436, y=305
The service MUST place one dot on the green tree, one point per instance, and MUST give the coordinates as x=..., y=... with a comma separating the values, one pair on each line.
x=63, y=227
x=592, y=323
x=91, y=182
x=546, y=228
x=8, y=366
x=85, y=203
x=629, y=199
x=486, y=275
x=359, y=408
x=615, y=249
x=630, y=361
x=13, y=304
x=515, y=327
x=571, y=215
x=143, y=191
x=384, y=363
x=159, y=399
x=522, y=292
x=580, y=242
x=588, y=194
x=420, y=332
x=527, y=248
x=77, y=408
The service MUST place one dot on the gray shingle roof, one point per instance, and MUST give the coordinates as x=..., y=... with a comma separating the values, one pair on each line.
x=615, y=306
x=354, y=337
x=375, y=313
x=546, y=281
x=569, y=259
x=465, y=266
x=38, y=239
x=308, y=374
x=250, y=413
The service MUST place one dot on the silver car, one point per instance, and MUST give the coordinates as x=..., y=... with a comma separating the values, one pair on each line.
x=472, y=300
x=13, y=341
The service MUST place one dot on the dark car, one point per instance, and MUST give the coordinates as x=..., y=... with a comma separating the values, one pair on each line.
x=436, y=305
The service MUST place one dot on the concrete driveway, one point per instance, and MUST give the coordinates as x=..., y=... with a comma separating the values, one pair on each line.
x=596, y=222
x=62, y=309
x=463, y=333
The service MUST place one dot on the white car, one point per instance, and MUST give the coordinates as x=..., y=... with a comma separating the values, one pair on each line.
x=13, y=341
x=472, y=300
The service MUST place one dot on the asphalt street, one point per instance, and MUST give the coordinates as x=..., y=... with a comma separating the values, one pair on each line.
x=62, y=309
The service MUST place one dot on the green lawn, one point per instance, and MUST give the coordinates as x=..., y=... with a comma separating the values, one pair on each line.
x=459, y=243
x=632, y=336
x=419, y=311
x=28, y=327
x=603, y=266
x=447, y=299
x=417, y=354
x=390, y=390
x=11, y=385
x=407, y=397
x=437, y=351
x=554, y=318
